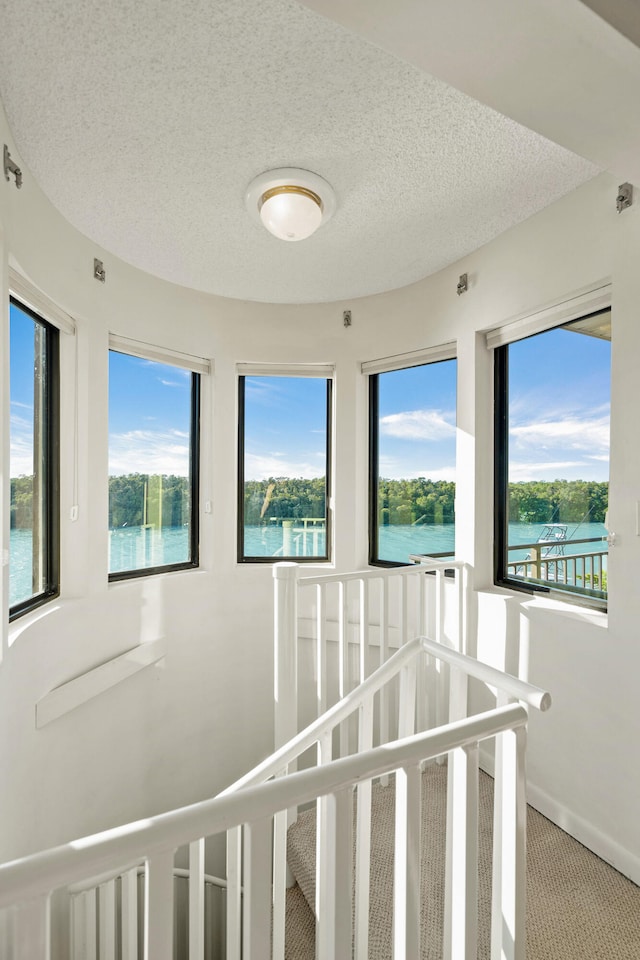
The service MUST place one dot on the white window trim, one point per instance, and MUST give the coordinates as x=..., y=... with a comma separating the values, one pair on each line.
x=147, y=351
x=583, y=302
x=415, y=358
x=30, y=296
x=325, y=370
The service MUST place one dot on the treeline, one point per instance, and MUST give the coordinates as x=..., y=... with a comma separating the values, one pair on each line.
x=417, y=501
x=283, y=497
x=21, y=502
x=558, y=501
x=534, y=501
x=136, y=498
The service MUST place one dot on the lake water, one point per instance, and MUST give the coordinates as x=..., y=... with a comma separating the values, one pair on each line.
x=137, y=547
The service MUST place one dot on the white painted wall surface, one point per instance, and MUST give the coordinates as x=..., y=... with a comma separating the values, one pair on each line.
x=182, y=731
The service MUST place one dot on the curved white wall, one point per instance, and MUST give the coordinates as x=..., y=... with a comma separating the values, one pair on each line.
x=181, y=731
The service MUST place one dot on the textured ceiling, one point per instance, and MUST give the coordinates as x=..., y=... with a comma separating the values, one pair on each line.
x=144, y=123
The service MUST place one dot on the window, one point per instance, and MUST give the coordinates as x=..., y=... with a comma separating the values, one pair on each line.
x=34, y=501
x=552, y=459
x=154, y=414
x=284, y=435
x=412, y=455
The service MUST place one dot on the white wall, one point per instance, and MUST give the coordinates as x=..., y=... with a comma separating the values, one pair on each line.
x=181, y=731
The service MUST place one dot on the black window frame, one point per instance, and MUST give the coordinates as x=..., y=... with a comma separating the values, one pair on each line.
x=373, y=466
x=501, y=485
x=241, y=558
x=51, y=463
x=194, y=486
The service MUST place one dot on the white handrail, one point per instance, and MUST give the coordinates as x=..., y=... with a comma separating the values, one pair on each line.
x=379, y=573
x=39, y=874
x=512, y=686
x=277, y=761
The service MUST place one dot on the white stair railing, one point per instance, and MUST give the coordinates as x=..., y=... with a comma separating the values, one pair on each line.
x=418, y=679
x=368, y=613
x=27, y=885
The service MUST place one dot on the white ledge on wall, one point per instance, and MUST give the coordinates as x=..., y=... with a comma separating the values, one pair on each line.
x=98, y=680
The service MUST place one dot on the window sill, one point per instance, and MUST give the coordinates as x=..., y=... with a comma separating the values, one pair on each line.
x=544, y=604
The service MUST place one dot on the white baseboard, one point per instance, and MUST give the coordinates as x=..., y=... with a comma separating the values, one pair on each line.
x=580, y=829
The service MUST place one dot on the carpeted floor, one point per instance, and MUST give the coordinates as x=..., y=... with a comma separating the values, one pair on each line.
x=579, y=908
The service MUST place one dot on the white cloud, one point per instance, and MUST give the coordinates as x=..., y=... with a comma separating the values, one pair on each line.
x=440, y=473
x=149, y=451
x=547, y=470
x=588, y=435
x=21, y=456
x=419, y=425
x=258, y=467
x=21, y=444
x=393, y=469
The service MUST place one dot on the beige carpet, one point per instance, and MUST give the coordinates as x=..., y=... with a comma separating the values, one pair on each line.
x=579, y=908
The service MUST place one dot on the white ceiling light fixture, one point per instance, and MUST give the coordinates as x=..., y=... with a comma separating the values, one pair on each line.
x=290, y=203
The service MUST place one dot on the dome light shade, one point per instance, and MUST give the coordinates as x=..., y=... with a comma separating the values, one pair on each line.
x=291, y=212
x=290, y=203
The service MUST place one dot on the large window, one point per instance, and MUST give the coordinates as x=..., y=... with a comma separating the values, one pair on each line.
x=33, y=546
x=284, y=431
x=153, y=466
x=552, y=459
x=412, y=462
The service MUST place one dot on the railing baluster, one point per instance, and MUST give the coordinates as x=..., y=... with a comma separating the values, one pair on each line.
x=6, y=933
x=404, y=610
x=129, y=914
x=321, y=649
x=107, y=920
x=439, y=605
x=32, y=925
x=334, y=882
x=508, y=935
x=85, y=942
x=286, y=651
x=343, y=666
x=363, y=840
x=384, y=656
x=256, y=927
x=343, y=653
x=234, y=899
x=280, y=821
x=407, y=700
x=323, y=840
x=196, y=900
x=158, y=907
x=364, y=629
x=406, y=881
x=422, y=664
x=460, y=941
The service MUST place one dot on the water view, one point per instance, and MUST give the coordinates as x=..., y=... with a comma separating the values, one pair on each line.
x=139, y=547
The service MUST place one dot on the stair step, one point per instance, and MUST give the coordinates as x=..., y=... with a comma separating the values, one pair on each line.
x=300, y=927
x=301, y=856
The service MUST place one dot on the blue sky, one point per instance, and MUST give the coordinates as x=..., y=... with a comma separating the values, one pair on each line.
x=417, y=432
x=149, y=416
x=559, y=407
x=285, y=427
x=558, y=429
x=21, y=377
